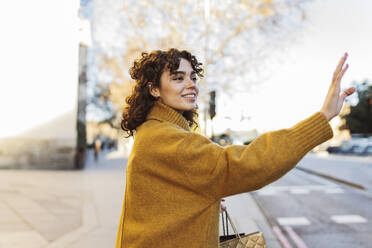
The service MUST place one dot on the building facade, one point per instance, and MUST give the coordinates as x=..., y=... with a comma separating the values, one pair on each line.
x=43, y=110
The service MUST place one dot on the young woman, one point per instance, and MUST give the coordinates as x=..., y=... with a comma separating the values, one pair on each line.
x=175, y=177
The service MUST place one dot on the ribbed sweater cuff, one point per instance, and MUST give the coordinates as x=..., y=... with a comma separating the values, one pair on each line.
x=311, y=132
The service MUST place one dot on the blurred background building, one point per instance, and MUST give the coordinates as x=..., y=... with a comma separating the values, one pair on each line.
x=43, y=85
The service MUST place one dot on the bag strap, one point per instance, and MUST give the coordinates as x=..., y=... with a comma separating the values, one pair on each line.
x=233, y=226
x=223, y=225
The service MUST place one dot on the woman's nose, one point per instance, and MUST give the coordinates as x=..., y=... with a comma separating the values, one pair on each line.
x=191, y=83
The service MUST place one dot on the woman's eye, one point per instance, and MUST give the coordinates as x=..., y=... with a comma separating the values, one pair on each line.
x=180, y=78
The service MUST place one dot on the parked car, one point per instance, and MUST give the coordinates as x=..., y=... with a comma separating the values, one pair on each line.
x=367, y=151
x=352, y=149
x=356, y=146
x=359, y=150
x=333, y=149
x=223, y=139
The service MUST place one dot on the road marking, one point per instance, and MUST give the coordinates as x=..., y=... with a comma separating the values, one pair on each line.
x=298, y=191
x=293, y=221
x=267, y=192
x=334, y=191
x=283, y=240
x=296, y=239
x=344, y=219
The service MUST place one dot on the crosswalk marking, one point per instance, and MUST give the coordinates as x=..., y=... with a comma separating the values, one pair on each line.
x=300, y=189
x=345, y=219
x=334, y=191
x=293, y=221
x=267, y=192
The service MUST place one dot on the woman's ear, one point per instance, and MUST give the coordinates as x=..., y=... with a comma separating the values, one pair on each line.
x=154, y=91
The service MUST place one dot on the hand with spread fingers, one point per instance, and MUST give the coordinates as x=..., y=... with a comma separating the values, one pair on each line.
x=334, y=101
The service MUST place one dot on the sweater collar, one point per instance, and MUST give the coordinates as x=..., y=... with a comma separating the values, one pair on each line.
x=163, y=112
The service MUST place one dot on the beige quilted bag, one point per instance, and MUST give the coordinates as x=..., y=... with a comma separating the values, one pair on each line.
x=251, y=240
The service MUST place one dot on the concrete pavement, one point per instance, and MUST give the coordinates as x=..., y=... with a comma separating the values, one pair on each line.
x=74, y=209
x=81, y=209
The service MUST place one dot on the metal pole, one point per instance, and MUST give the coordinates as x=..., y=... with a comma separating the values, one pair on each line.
x=206, y=19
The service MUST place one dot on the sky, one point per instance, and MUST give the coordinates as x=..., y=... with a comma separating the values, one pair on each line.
x=300, y=81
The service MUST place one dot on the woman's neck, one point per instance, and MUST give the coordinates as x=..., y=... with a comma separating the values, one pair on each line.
x=179, y=111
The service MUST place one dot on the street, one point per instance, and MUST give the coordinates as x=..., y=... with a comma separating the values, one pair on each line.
x=308, y=210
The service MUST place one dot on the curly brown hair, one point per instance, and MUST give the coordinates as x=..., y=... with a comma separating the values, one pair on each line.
x=149, y=68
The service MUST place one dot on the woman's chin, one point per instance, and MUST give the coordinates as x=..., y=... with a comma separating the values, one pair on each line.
x=188, y=108
x=184, y=106
x=192, y=107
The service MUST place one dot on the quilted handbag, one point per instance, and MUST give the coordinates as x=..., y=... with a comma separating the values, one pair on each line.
x=251, y=240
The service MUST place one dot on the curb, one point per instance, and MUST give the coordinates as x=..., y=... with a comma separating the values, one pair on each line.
x=358, y=186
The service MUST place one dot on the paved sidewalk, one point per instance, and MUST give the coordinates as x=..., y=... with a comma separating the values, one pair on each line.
x=81, y=209
x=74, y=209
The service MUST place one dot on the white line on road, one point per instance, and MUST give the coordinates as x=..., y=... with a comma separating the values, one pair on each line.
x=345, y=219
x=267, y=192
x=334, y=191
x=296, y=239
x=293, y=221
x=283, y=240
x=299, y=191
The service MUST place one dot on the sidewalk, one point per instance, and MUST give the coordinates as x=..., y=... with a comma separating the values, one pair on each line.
x=338, y=168
x=81, y=209
x=74, y=209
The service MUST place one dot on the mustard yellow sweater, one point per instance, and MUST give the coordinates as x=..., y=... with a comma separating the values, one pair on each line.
x=176, y=178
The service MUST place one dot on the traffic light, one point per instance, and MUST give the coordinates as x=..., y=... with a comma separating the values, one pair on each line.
x=212, y=104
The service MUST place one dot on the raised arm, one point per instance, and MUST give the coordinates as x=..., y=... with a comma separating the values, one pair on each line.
x=216, y=172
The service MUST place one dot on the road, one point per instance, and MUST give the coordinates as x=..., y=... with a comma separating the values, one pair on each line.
x=308, y=210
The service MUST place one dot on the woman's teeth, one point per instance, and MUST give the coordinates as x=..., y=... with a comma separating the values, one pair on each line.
x=189, y=96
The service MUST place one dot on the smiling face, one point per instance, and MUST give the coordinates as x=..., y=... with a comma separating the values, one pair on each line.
x=178, y=90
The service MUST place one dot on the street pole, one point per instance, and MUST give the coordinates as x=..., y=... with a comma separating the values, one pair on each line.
x=206, y=19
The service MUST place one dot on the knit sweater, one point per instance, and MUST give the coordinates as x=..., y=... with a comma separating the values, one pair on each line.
x=175, y=178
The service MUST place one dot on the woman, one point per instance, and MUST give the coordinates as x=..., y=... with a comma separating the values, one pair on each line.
x=175, y=177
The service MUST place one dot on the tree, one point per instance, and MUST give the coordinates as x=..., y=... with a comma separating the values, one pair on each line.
x=233, y=39
x=359, y=120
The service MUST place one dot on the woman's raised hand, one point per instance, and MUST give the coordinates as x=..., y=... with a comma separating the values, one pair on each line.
x=334, y=101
